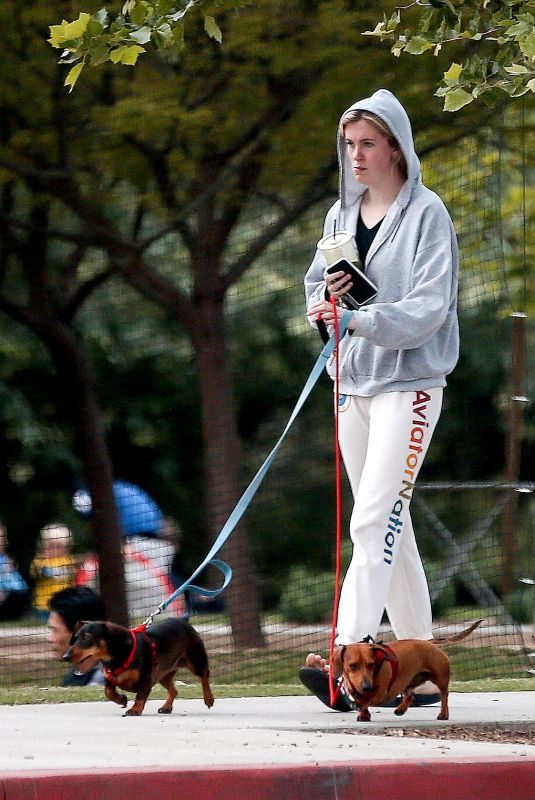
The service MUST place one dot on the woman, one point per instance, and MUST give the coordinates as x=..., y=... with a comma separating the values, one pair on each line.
x=394, y=360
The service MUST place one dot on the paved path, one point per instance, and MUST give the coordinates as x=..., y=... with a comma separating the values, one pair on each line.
x=41, y=745
x=276, y=730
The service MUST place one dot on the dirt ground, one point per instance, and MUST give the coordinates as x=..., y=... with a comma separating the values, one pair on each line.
x=505, y=733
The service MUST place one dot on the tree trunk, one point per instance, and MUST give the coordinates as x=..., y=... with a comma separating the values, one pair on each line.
x=222, y=460
x=90, y=444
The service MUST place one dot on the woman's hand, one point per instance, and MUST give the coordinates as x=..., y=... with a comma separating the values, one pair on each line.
x=326, y=311
x=338, y=283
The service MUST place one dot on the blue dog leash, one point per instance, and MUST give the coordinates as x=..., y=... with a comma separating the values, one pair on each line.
x=251, y=490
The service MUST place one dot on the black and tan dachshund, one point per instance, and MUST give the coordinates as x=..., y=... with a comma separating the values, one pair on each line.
x=136, y=659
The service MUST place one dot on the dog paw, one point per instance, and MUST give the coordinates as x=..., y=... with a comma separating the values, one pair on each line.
x=164, y=710
x=364, y=716
x=132, y=712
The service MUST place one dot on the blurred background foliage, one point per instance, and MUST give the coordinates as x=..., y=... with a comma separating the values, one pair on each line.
x=133, y=206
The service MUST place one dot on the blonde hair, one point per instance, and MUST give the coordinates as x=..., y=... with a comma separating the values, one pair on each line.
x=357, y=114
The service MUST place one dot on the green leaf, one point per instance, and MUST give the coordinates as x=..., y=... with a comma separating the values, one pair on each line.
x=163, y=36
x=67, y=31
x=491, y=96
x=425, y=20
x=393, y=22
x=141, y=36
x=516, y=69
x=165, y=6
x=98, y=55
x=527, y=45
x=182, y=12
x=456, y=99
x=453, y=73
x=418, y=45
x=212, y=28
x=523, y=28
x=127, y=54
x=94, y=28
x=377, y=31
x=102, y=17
x=73, y=75
x=56, y=35
x=138, y=14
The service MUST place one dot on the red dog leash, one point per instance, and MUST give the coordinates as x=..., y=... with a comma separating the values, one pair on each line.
x=385, y=653
x=334, y=689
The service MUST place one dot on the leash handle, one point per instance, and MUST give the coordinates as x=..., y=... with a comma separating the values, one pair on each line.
x=224, y=568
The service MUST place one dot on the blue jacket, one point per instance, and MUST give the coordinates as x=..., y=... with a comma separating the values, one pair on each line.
x=10, y=579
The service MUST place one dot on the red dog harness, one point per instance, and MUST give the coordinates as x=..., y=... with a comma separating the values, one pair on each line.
x=385, y=653
x=111, y=675
x=382, y=653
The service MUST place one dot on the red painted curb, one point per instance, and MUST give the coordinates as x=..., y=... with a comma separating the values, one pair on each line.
x=504, y=779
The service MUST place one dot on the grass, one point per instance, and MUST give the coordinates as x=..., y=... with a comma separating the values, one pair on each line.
x=478, y=663
x=35, y=695
x=280, y=667
x=250, y=673
x=526, y=684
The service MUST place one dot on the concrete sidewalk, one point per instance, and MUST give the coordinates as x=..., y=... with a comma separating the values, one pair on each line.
x=44, y=748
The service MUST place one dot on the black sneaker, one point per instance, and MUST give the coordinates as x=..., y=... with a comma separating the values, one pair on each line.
x=425, y=699
x=317, y=682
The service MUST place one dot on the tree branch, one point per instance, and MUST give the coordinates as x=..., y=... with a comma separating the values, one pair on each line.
x=316, y=191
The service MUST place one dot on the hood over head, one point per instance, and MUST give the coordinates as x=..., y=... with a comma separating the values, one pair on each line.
x=386, y=106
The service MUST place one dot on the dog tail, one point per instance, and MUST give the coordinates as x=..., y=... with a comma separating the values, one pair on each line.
x=459, y=636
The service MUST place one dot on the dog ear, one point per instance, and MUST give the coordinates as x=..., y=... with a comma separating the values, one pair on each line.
x=77, y=626
x=338, y=660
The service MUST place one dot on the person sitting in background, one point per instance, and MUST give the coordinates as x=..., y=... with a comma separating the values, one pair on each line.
x=54, y=567
x=147, y=554
x=13, y=588
x=68, y=607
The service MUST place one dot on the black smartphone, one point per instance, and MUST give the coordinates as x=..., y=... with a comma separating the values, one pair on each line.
x=363, y=289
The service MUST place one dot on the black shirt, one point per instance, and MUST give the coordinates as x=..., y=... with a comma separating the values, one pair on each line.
x=365, y=237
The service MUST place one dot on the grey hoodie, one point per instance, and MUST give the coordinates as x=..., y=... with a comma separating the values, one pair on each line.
x=407, y=338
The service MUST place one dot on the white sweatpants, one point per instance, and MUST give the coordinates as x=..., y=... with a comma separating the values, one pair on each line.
x=383, y=441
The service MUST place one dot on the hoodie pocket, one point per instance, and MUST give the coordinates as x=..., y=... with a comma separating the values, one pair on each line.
x=370, y=360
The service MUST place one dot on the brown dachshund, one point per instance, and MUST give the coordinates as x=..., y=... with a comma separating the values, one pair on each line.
x=374, y=673
x=136, y=659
